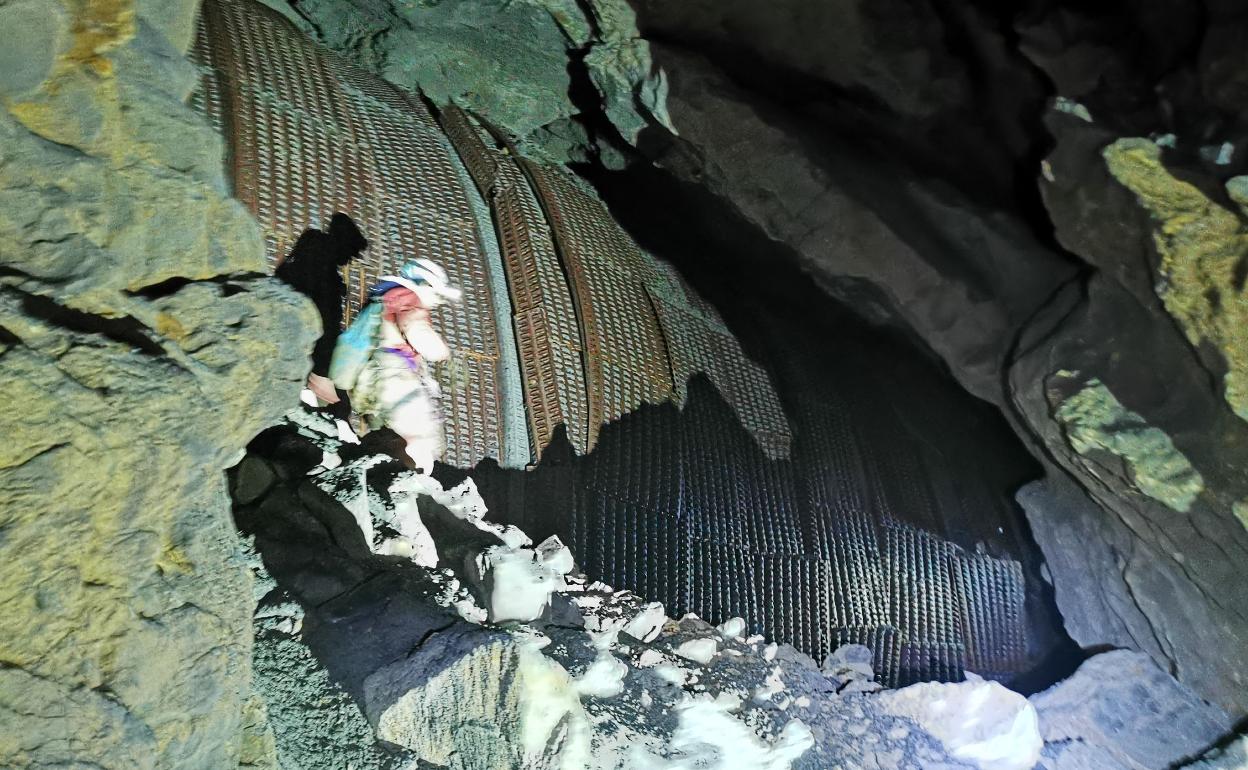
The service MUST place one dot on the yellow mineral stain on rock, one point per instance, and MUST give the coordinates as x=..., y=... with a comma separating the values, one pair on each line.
x=175, y=560
x=1095, y=420
x=1200, y=244
x=77, y=105
x=168, y=326
x=99, y=27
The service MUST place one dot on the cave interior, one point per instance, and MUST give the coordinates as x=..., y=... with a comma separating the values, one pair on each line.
x=846, y=384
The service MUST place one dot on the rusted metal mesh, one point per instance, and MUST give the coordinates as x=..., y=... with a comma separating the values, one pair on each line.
x=309, y=135
x=548, y=334
x=648, y=331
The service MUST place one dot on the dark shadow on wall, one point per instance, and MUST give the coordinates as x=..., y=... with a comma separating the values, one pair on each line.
x=314, y=269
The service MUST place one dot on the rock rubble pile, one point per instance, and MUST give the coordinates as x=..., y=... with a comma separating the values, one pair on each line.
x=466, y=645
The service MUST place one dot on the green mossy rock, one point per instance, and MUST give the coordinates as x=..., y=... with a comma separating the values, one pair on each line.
x=1094, y=419
x=1202, y=247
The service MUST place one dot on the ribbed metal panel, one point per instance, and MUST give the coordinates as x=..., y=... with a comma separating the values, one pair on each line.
x=206, y=99
x=922, y=605
x=990, y=595
x=472, y=148
x=697, y=341
x=548, y=332
x=625, y=357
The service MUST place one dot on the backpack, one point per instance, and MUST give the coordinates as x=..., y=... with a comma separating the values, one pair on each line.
x=355, y=347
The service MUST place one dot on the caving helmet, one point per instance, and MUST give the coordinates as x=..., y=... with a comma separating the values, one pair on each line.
x=426, y=278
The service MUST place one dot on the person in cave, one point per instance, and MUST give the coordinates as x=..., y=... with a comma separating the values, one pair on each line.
x=383, y=359
x=314, y=268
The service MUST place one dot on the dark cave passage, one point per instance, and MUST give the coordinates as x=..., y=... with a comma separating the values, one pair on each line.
x=825, y=548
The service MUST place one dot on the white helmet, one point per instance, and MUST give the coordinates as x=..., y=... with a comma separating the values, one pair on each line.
x=426, y=278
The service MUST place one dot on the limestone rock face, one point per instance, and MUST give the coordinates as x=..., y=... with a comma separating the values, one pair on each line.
x=979, y=722
x=1232, y=757
x=312, y=721
x=1120, y=710
x=516, y=63
x=1132, y=385
x=466, y=701
x=140, y=349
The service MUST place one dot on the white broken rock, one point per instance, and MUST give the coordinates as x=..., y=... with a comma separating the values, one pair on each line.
x=979, y=722
x=710, y=737
x=849, y=668
x=555, y=556
x=515, y=584
x=608, y=612
x=604, y=678
x=468, y=702
x=773, y=685
x=414, y=540
x=733, y=628
x=463, y=501
x=646, y=625
x=698, y=650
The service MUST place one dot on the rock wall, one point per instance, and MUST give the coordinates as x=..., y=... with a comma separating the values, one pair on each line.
x=954, y=270
x=140, y=348
x=1133, y=378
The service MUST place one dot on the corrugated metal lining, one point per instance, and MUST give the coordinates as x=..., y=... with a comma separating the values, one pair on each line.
x=310, y=134
x=685, y=508
x=695, y=512
x=547, y=329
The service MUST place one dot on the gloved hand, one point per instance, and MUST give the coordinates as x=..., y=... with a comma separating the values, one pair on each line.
x=323, y=387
